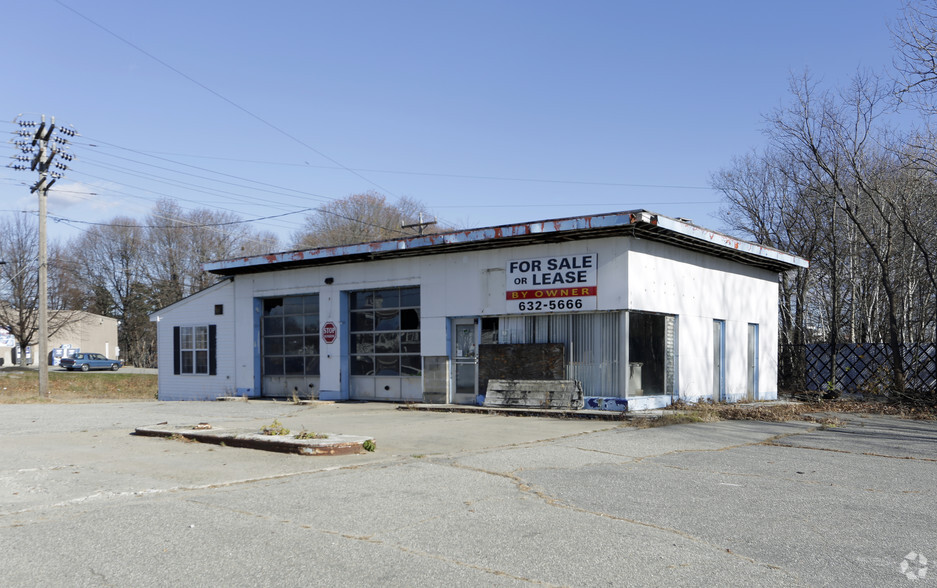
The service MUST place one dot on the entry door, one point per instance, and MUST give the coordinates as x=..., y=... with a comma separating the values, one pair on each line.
x=719, y=360
x=752, y=362
x=464, y=386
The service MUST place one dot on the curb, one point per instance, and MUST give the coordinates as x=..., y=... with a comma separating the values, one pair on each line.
x=599, y=415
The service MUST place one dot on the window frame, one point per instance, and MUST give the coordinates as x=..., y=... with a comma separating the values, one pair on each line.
x=385, y=332
x=194, y=350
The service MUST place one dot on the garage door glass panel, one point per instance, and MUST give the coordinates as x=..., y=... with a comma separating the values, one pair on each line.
x=387, y=343
x=385, y=332
x=273, y=366
x=362, y=365
x=387, y=320
x=362, y=343
x=273, y=326
x=294, y=366
x=293, y=325
x=362, y=321
x=387, y=365
x=290, y=330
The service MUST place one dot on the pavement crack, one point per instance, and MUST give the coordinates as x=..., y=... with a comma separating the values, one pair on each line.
x=100, y=576
x=770, y=443
x=112, y=495
x=373, y=540
x=527, y=488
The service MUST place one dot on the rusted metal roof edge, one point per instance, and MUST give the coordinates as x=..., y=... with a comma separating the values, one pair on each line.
x=731, y=243
x=653, y=225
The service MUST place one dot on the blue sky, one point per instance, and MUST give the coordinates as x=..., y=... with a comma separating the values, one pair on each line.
x=487, y=112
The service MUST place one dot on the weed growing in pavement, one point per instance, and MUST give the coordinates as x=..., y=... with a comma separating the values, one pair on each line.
x=183, y=438
x=668, y=419
x=369, y=445
x=304, y=434
x=275, y=428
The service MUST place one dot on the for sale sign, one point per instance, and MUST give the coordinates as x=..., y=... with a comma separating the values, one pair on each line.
x=560, y=283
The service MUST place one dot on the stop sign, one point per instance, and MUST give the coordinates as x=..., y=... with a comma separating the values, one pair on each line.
x=329, y=332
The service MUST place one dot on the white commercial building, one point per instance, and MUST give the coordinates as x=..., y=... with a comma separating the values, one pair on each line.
x=640, y=308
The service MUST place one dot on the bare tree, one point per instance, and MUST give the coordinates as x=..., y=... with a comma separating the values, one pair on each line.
x=180, y=241
x=113, y=266
x=19, y=283
x=838, y=141
x=764, y=201
x=360, y=218
x=915, y=40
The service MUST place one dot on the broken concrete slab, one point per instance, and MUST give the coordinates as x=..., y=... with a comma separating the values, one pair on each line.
x=329, y=444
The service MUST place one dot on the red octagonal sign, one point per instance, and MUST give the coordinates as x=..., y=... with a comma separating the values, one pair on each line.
x=329, y=332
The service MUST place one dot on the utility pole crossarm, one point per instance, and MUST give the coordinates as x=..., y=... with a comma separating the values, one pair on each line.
x=422, y=225
x=43, y=153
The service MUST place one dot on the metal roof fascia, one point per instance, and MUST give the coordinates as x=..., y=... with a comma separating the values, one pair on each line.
x=411, y=243
x=503, y=232
x=728, y=242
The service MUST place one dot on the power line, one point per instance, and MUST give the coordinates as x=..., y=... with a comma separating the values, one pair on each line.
x=149, y=200
x=225, y=98
x=300, y=193
x=187, y=223
x=440, y=174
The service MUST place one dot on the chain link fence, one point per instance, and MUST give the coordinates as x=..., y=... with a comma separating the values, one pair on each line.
x=858, y=368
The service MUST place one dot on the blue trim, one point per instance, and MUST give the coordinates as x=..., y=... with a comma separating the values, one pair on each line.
x=344, y=340
x=258, y=374
x=450, y=368
x=722, y=358
x=756, y=394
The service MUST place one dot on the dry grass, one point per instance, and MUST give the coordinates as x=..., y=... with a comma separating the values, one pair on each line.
x=820, y=412
x=19, y=386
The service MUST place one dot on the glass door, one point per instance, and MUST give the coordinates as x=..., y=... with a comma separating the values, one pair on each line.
x=463, y=388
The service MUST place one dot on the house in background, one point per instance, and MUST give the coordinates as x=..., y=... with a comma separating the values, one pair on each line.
x=83, y=331
x=640, y=308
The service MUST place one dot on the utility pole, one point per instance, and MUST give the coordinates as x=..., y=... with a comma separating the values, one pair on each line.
x=422, y=225
x=39, y=148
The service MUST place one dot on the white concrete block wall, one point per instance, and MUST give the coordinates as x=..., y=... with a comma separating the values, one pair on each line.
x=632, y=273
x=700, y=288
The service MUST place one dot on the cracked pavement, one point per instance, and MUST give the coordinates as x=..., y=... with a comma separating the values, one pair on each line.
x=461, y=500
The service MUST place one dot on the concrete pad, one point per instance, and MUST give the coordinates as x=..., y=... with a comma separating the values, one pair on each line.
x=328, y=444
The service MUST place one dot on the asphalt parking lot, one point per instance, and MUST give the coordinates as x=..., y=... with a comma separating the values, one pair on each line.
x=466, y=500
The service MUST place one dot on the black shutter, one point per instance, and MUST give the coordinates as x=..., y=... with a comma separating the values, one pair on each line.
x=212, y=358
x=175, y=351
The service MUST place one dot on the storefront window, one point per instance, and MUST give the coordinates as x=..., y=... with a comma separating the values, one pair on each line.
x=651, y=344
x=385, y=332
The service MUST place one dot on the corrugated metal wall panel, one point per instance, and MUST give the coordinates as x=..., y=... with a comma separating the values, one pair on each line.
x=593, y=345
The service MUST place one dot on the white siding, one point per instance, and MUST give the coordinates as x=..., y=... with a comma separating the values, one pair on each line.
x=199, y=309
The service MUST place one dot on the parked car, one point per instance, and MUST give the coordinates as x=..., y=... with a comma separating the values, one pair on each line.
x=90, y=361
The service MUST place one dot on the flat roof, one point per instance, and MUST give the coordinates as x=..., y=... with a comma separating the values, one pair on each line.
x=640, y=224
